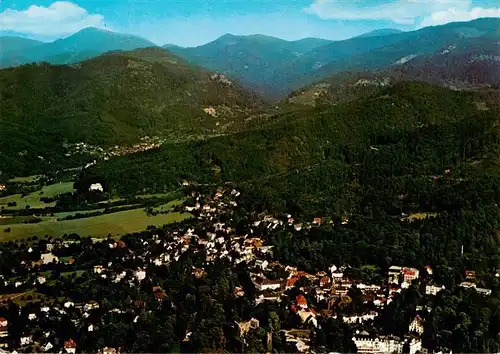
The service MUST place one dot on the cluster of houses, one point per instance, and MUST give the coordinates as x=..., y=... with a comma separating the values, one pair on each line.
x=329, y=291
x=320, y=295
x=145, y=143
x=49, y=339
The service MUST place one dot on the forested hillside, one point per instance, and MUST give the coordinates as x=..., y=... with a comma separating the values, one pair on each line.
x=112, y=99
x=254, y=59
x=333, y=148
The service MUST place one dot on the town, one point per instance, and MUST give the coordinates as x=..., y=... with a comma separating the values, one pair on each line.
x=145, y=143
x=42, y=310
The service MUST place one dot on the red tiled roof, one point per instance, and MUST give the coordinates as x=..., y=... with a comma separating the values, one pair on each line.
x=159, y=293
x=265, y=281
x=121, y=244
x=70, y=344
x=409, y=271
x=470, y=274
x=301, y=273
x=301, y=300
x=291, y=282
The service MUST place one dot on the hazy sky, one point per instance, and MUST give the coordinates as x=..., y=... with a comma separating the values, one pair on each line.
x=195, y=22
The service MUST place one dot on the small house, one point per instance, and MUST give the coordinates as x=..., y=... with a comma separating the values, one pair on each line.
x=70, y=346
x=96, y=187
x=417, y=325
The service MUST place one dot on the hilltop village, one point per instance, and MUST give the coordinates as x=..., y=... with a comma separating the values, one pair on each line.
x=74, y=294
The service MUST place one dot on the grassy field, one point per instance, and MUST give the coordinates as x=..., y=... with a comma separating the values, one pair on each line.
x=72, y=213
x=158, y=195
x=168, y=206
x=116, y=224
x=9, y=220
x=33, y=199
x=27, y=179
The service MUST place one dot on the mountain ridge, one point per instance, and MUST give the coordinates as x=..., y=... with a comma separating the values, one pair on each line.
x=279, y=70
x=380, y=32
x=271, y=66
x=115, y=98
x=97, y=41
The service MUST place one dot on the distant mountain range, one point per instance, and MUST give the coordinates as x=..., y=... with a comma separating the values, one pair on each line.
x=387, y=52
x=10, y=44
x=472, y=63
x=87, y=43
x=380, y=32
x=115, y=98
x=275, y=67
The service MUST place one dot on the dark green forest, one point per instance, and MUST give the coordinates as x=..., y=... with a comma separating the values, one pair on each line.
x=392, y=143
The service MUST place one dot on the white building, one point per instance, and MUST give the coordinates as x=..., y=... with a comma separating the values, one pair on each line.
x=361, y=318
x=417, y=325
x=262, y=264
x=140, y=275
x=388, y=344
x=96, y=187
x=26, y=340
x=261, y=283
x=48, y=258
x=433, y=289
x=483, y=291
x=47, y=347
x=394, y=272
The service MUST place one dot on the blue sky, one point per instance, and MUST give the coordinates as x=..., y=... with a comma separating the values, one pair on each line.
x=195, y=22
